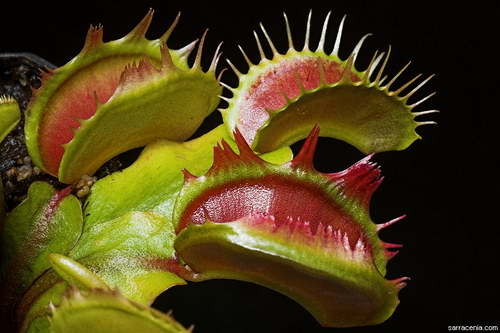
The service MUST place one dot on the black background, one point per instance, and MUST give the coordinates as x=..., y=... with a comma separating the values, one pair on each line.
x=446, y=183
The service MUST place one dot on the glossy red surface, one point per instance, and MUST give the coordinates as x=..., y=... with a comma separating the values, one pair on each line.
x=76, y=101
x=266, y=93
x=272, y=195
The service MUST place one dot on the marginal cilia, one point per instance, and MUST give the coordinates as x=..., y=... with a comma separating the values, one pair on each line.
x=233, y=203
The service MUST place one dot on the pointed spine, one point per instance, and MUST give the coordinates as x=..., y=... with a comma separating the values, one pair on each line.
x=139, y=32
x=420, y=123
x=336, y=46
x=358, y=46
x=370, y=68
x=375, y=64
x=188, y=176
x=224, y=97
x=389, y=223
x=389, y=84
x=382, y=68
x=215, y=59
x=321, y=44
x=422, y=100
x=259, y=46
x=231, y=89
x=305, y=157
x=288, y=33
x=186, y=50
x=169, y=31
x=391, y=245
x=414, y=90
x=421, y=113
x=269, y=41
x=233, y=67
x=401, y=282
x=197, y=60
x=246, y=152
x=250, y=64
x=404, y=86
x=308, y=32
x=220, y=74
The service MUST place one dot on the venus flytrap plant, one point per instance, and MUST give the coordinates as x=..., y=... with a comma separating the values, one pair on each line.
x=233, y=203
x=291, y=228
x=164, y=160
x=279, y=100
x=116, y=96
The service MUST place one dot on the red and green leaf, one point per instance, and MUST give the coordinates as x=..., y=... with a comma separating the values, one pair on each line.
x=259, y=222
x=47, y=221
x=115, y=96
x=279, y=99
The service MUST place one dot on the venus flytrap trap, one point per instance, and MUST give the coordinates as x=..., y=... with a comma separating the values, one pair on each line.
x=233, y=203
x=116, y=96
x=291, y=228
x=279, y=100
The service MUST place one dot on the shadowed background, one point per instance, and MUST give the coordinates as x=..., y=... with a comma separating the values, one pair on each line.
x=445, y=183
